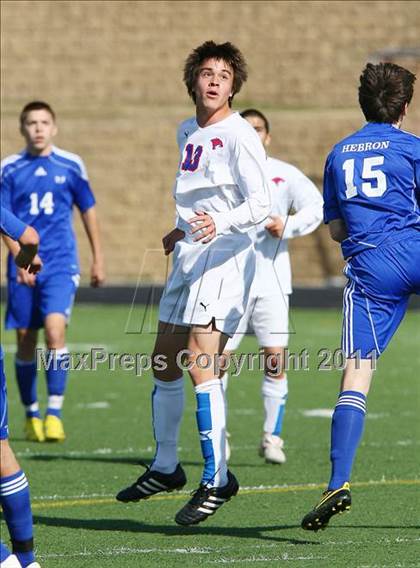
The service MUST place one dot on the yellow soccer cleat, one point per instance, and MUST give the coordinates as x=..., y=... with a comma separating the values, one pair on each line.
x=332, y=502
x=34, y=431
x=53, y=428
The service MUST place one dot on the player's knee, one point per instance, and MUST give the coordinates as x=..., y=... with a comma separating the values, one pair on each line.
x=26, y=344
x=54, y=337
x=8, y=462
x=274, y=364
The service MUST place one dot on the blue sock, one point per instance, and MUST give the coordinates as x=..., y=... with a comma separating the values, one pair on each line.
x=27, y=379
x=16, y=505
x=4, y=552
x=279, y=422
x=57, y=374
x=211, y=422
x=346, y=431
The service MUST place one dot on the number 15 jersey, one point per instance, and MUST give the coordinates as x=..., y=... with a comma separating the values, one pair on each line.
x=372, y=183
x=41, y=191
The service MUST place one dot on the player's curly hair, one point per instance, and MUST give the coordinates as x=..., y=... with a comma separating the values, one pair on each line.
x=35, y=105
x=385, y=89
x=227, y=52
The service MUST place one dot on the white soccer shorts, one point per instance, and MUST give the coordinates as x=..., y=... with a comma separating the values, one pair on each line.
x=209, y=282
x=268, y=317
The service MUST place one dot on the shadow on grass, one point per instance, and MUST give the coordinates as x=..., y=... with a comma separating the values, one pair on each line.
x=126, y=525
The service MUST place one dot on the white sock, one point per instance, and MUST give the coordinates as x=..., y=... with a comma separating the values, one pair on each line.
x=225, y=382
x=274, y=393
x=211, y=422
x=167, y=410
x=55, y=401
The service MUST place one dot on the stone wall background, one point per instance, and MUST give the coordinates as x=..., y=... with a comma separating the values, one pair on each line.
x=113, y=72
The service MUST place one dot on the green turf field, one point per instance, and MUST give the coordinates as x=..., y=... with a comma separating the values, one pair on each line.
x=107, y=418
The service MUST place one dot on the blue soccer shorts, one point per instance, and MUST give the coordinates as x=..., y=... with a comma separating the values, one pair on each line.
x=4, y=428
x=375, y=299
x=27, y=307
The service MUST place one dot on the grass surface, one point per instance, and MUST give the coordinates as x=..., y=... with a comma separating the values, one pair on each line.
x=107, y=419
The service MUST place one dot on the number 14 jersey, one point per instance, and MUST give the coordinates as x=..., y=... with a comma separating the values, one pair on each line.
x=41, y=191
x=372, y=183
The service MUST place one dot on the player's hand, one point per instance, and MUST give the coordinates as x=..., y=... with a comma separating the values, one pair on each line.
x=275, y=227
x=169, y=241
x=28, y=262
x=26, y=277
x=204, y=227
x=97, y=274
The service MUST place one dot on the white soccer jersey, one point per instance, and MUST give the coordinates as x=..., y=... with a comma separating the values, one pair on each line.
x=222, y=171
x=291, y=190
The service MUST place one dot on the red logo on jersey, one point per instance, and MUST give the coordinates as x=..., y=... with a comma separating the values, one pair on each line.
x=277, y=180
x=216, y=142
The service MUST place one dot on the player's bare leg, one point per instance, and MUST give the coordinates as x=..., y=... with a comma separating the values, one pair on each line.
x=56, y=374
x=165, y=472
x=26, y=375
x=346, y=432
x=274, y=393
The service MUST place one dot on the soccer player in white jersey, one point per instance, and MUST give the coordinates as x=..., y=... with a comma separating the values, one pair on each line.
x=268, y=305
x=221, y=191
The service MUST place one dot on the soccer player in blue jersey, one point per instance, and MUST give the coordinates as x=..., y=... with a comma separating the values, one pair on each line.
x=372, y=196
x=14, y=488
x=40, y=186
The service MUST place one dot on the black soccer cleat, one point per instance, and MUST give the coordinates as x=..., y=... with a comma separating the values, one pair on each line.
x=152, y=482
x=332, y=502
x=206, y=501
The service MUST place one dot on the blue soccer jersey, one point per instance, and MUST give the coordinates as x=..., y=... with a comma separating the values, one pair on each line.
x=372, y=183
x=41, y=191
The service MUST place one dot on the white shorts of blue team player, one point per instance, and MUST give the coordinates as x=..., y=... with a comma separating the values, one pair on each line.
x=209, y=283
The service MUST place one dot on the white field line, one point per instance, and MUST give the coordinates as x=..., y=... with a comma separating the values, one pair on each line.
x=283, y=558
x=124, y=550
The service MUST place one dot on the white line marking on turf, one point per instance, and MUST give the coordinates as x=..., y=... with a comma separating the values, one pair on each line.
x=318, y=413
x=328, y=412
x=94, y=405
x=284, y=557
x=125, y=550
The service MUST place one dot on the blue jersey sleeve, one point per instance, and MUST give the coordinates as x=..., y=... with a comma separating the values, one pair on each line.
x=11, y=225
x=417, y=170
x=82, y=193
x=331, y=206
x=5, y=193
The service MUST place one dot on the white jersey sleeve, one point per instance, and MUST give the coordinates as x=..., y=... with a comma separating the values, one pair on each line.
x=248, y=166
x=307, y=202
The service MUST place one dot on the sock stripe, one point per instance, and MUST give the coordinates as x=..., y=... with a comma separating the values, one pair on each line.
x=350, y=405
x=5, y=484
x=15, y=488
x=351, y=399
